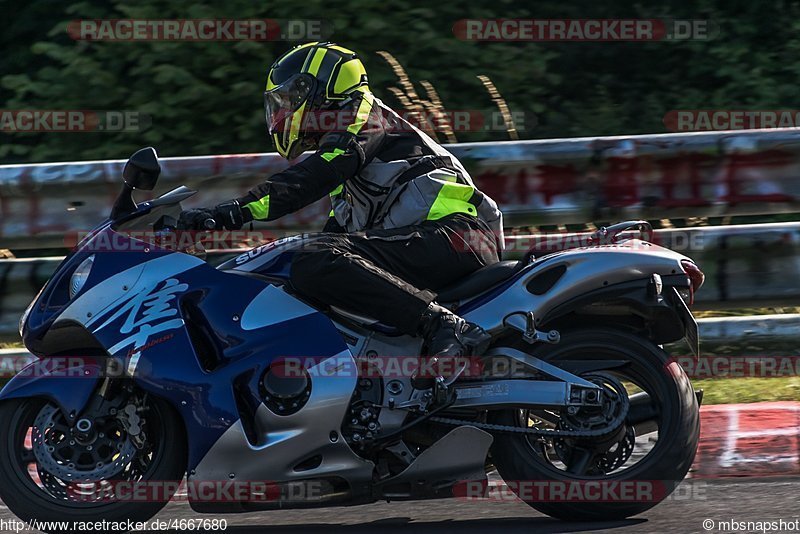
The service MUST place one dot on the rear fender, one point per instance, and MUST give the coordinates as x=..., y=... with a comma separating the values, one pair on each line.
x=69, y=382
x=559, y=278
x=637, y=299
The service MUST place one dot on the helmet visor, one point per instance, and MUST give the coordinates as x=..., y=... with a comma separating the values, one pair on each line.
x=282, y=101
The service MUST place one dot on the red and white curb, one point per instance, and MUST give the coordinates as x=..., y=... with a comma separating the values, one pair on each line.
x=758, y=439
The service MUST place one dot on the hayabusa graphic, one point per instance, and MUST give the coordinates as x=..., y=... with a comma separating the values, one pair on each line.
x=577, y=391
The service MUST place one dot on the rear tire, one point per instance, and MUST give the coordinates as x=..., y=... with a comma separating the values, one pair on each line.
x=29, y=501
x=664, y=467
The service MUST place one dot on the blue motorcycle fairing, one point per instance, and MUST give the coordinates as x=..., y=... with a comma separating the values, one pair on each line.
x=274, y=259
x=54, y=296
x=273, y=262
x=69, y=386
x=205, y=397
x=177, y=330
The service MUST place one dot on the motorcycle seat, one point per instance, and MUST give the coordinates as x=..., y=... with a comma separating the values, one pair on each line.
x=481, y=280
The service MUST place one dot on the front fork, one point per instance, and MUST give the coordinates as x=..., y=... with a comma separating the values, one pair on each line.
x=112, y=400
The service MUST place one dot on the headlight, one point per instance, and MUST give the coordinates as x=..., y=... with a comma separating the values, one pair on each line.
x=79, y=277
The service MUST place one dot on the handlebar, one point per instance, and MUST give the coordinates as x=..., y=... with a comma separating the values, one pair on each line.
x=170, y=224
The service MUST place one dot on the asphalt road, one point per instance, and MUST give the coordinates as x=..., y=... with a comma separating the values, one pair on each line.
x=741, y=500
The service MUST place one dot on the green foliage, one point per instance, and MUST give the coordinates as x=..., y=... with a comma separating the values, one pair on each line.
x=205, y=97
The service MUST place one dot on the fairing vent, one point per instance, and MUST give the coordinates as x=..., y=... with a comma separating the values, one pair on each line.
x=309, y=463
x=68, y=338
x=201, y=335
x=544, y=281
x=247, y=405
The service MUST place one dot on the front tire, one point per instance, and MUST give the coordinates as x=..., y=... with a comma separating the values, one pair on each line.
x=662, y=468
x=33, y=493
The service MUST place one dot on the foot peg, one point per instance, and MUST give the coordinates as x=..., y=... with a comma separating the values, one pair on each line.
x=431, y=372
x=442, y=392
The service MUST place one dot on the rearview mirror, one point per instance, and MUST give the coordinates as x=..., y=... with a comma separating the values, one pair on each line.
x=142, y=169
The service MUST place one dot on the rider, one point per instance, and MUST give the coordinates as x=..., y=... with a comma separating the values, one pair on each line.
x=406, y=219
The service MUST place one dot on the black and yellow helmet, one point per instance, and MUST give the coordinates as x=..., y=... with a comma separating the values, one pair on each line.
x=308, y=78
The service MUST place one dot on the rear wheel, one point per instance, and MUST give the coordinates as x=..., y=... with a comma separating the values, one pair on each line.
x=54, y=469
x=624, y=473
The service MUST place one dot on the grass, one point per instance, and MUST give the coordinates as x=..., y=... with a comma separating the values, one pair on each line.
x=743, y=390
x=703, y=314
x=748, y=389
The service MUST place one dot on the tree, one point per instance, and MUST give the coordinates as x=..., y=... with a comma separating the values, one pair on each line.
x=205, y=97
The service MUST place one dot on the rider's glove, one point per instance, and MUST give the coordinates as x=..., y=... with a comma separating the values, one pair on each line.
x=228, y=215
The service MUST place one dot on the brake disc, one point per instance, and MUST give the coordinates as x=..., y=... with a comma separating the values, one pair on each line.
x=616, y=458
x=61, y=455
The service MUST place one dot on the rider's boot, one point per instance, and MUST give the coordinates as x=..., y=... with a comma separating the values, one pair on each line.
x=449, y=341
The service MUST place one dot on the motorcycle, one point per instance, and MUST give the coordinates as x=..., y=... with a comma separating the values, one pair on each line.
x=157, y=370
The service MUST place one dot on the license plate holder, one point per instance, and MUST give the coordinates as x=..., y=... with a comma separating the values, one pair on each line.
x=689, y=323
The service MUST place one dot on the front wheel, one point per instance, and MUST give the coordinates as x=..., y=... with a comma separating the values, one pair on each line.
x=591, y=479
x=56, y=470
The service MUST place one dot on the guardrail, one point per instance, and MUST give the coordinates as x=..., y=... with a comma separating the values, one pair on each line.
x=535, y=182
x=745, y=265
x=752, y=334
